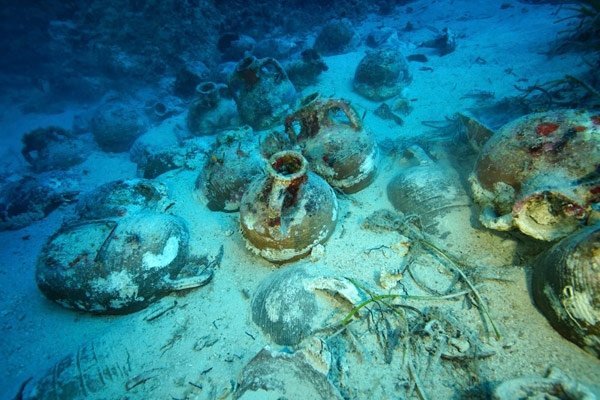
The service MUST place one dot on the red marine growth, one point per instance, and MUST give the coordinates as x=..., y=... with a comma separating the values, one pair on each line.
x=546, y=128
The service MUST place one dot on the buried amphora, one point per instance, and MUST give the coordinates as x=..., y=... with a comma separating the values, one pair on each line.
x=540, y=174
x=118, y=266
x=432, y=193
x=262, y=91
x=566, y=287
x=289, y=211
x=212, y=111
x=334, y=142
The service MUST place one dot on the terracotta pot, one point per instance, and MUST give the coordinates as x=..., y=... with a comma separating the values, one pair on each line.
x=262, y=91
x=293, y=303
x=556, y=385
x=540, y=174
x=231, y=166
x=286, y=213
x=566, y=287
x=212, y=111
x=381, y=74
x=117, y=266
x=334, y=142
x=432, y=193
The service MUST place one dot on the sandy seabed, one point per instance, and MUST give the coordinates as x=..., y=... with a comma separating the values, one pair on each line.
x=199, y=346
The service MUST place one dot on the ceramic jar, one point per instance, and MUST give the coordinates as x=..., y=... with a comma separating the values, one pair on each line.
x=232, y=164
x=539, y=174
x=556, y=385
x=381, y=74
x=116, y=125
x=262, y=91
x=566, y=287
x=122, y=198
x=53, y=148
x=118, y=266
x=293, y=303
x=212, y=111
x=334, y=142
x=32, y=198
x=431, y=193
x=287, y=212
x=301, y=374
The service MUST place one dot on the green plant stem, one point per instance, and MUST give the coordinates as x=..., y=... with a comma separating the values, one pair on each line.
x=380, y=297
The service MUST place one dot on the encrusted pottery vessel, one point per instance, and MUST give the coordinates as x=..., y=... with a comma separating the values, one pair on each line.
x=118, y=266
x=286, y=213
x=566, y=287
x=381, y=74
x=556, y=385
x=32, y=198
x=301, y=374
x=123, y=197
x=53, y=148
x=431, y=192
x=540, y=174
x=262, y=91
x=116, y=125
x=232, y=164
x=334, y=142
x=212, y=111
x=293, y=303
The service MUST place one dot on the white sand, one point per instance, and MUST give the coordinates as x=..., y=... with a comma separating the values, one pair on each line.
x=209, y=336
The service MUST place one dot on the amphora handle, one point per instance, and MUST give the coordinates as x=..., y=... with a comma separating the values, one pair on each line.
x=287, y=171
x=314, y=114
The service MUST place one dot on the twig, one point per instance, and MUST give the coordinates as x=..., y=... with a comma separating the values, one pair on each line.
x=418, y=385
x=454, y=264
x=587, y=86
x=375, y=298
x=159, y=313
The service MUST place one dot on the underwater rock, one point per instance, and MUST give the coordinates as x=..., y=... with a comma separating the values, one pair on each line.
x=293, y=303
x=118, y=266
x=444, y=42
x=212, y=111
x=433, y=193
x=305, y=70
x=336, y=37
x=284, y=375
x=381, y=74
x=334, y=142
x=384, y=111
x=540, y=174
x=289, y=211
x=233, y=163
x=262, y=91
x=566, y=287
x=556, y=385
x=121, y=198
x=53, y=148
x=115, y=126
x=31, y=199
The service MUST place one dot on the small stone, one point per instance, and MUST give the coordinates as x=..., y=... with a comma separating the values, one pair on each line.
x=317, y=253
